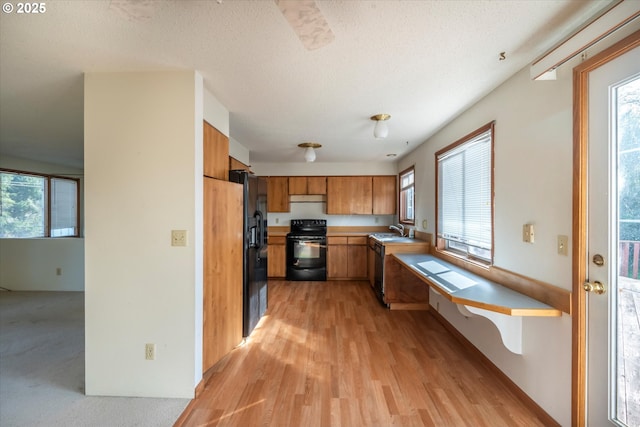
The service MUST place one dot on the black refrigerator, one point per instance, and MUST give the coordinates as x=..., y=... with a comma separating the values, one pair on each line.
x=254, y=254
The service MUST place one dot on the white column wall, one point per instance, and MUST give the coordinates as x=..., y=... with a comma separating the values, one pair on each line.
x=143, y=178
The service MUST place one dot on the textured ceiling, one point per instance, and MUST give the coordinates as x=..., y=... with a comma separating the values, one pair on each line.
x=423, y=62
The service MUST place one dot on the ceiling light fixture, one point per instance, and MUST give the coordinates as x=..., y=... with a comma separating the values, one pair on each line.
x=309, y=150
x=381, y=130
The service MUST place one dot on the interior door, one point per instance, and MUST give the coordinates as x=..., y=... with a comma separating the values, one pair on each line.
x=613, y=338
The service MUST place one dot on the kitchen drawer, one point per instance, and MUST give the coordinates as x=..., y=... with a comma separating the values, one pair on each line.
x=336, y=240
x=277, y=240
x=357, y=240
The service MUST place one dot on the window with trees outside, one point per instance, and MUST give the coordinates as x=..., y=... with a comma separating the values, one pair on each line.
x=34, y=205
x=465, y=196
x=407, y=192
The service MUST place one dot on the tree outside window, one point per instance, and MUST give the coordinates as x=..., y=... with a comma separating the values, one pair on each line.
x=34, y=205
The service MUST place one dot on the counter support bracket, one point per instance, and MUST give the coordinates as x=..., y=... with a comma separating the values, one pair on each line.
x=510, y=327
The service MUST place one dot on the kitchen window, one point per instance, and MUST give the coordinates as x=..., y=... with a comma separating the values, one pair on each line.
x=465, y=196
x=407, y=193
x=34, y=205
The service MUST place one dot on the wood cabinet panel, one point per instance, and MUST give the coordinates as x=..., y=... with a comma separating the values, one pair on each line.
x=222, y=293
x=357, y=240
x=349, y=195
x=337, y=261
x=276, y=261
x=357, y=261
x=384, y=195
x=337, y=240
x=403, y=287
x=215, y=147
x=307, y=185
x=297, y=185
x=347, y=257
x=277, y=240
x=237, y=164
x=278, y=194
x=317, y=185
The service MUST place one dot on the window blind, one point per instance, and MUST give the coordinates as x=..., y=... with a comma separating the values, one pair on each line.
x=64, y=196
x=464, y=180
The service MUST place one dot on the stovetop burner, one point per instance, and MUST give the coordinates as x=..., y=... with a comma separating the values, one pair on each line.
x=312, y=227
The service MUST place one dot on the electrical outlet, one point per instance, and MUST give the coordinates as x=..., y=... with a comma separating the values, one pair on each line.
x=150, y=351
x=178, y=237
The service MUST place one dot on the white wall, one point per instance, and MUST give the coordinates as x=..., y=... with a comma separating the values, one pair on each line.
x=215, y=113
x=238, y=152
x=533, y=184
x=31, y=264
x=143, y=178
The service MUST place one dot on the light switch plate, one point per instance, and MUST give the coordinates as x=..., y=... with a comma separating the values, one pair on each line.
x=178, y=237
x=563, y=245
x=528, y=234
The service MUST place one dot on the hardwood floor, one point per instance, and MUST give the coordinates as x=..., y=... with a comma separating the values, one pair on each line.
x=327, y=354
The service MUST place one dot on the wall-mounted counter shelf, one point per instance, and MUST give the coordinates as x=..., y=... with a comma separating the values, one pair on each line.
x=476, y=295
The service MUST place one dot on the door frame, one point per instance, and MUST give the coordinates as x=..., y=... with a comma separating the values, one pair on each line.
x=579, y=228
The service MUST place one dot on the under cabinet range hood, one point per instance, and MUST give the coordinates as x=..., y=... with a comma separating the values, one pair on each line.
x=308, y=198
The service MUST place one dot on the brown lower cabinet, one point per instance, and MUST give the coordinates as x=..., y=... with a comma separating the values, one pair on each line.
x=347, y=257
x=276, y=261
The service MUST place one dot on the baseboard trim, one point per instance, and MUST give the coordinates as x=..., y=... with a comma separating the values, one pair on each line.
x=408, y=306
x=199, y=388
x=544, y=417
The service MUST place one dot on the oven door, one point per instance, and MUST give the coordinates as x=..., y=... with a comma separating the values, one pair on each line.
x=305, y=252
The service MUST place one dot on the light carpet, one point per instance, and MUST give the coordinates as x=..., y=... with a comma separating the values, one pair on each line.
x=42, y=369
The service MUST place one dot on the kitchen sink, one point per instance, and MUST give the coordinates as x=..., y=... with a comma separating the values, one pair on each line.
x=390, y=237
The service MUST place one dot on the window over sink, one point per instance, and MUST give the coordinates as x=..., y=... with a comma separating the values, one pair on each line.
x=407, y=200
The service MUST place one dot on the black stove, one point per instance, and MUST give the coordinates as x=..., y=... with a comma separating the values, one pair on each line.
x=309, y=227
x=307, y=250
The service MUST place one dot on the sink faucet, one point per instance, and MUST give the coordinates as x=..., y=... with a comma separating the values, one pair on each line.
x=399, y=228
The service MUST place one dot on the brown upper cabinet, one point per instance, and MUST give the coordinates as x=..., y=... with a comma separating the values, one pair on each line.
x=297, y=185
x=278, y=194
x=307, y=185
x=384, y=195
x=317, y=185
x=215, y=152
x=346, y=195
x=349, y=195
x=235, y=164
